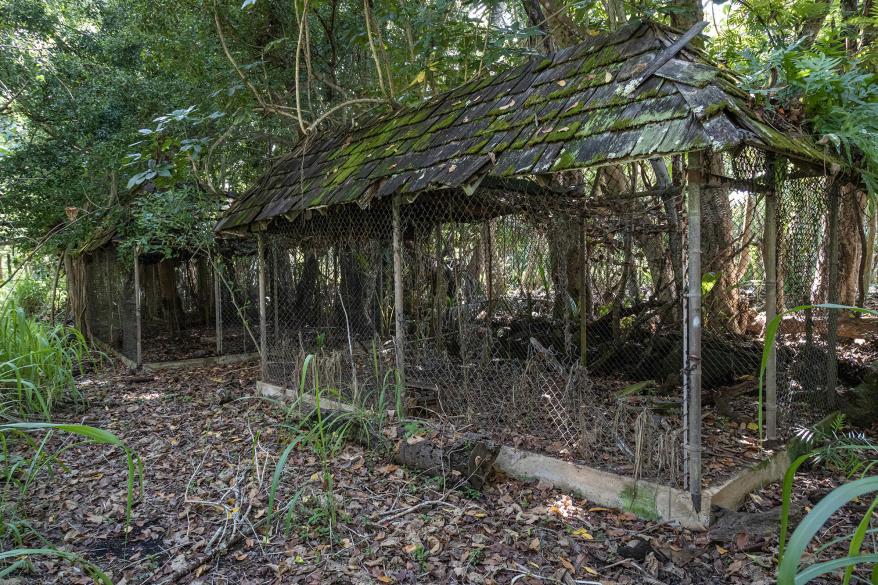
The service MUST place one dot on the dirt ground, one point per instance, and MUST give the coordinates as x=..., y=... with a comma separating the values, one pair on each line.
x=210, y=448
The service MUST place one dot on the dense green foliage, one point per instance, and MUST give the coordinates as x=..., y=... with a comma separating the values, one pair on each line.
x=103, y=102
x=37, y=364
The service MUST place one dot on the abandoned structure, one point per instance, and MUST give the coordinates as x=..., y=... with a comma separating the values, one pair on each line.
x=573, y=255
x=151, y=309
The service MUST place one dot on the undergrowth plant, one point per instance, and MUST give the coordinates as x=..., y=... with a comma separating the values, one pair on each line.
x=22, y=460
x=324, y=431
x=854, y=454
x=37, y=364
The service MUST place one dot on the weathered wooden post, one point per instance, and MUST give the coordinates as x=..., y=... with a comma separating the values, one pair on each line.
x=399, y=318
x=218, y=305
x=138, y=299
x=694, y=182
x=263, y=338
x=769, y=255
x=583, y=283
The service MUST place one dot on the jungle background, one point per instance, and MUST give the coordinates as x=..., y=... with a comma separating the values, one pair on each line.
x=143, y=120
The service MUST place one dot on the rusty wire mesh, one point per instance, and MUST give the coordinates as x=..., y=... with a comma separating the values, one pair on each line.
x=236, y=270
x=110, y=315
x=177, y=310
x=179, y=317
x=495, y=287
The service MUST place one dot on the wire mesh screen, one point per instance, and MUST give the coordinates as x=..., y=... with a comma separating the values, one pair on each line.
x=808, y=347
x=492, y=287
x=496, y=286
x=110, y=314
x=329, y=291
x=237, y=288
x=177, y=308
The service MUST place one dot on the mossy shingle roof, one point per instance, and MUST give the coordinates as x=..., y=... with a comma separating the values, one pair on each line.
x=571, y=109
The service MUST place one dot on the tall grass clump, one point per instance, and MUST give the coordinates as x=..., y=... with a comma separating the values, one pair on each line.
x=854, y=454
x=38, y=362
x=323, y=430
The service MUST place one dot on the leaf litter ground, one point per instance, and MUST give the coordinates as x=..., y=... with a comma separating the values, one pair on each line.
x=210, y=447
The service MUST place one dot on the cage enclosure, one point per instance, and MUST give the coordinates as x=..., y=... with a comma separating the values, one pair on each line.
x=153, y=309
x=576, y=256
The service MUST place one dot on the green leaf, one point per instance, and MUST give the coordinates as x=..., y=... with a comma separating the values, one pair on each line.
x=814, y=522
x=96, y=435
x=91, y=568
x=708, y=281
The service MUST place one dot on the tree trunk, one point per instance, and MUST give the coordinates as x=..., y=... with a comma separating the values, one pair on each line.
x=869, y=252
x=74, y=266
x=172, y=312
x=722, y=305
x=849, y=248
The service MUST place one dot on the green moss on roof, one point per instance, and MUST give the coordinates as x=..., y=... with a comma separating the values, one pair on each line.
x=572, y=98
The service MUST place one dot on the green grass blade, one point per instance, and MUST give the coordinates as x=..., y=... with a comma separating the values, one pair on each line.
x=814, y=521
x=857, y=540
x=786, y=498
x=91, y=568
x=275, y=478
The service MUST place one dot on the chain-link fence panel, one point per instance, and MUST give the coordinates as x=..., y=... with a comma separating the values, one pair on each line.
x=110, y=311
x=236, y=272
x=549, y=315
x=177, y=308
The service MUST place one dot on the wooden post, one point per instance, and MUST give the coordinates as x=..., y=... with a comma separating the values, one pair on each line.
x=693, y=361
x=489, y=269
x=275, y=292
x=218, y=306
x=263, y=338
x=832, y=295
x=138, y=294
x=769, y=255
x=583, y=283
x=399, y=329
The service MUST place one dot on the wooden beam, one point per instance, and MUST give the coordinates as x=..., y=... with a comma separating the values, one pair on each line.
x=664, y=57
x=218, y=306
x=263, y=337
x=138, y=299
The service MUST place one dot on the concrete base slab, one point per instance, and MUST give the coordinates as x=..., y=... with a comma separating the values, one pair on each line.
x=217, y=360
x=281, y=393
x=646, y=499
x=731, y=493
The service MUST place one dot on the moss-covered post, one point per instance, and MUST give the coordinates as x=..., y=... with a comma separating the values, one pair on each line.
x=694, y=182
x=769, y=256
x=263, y=337
x=218, y=305
x=399, y=317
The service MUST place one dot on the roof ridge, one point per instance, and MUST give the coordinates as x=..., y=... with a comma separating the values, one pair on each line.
x=568, y=109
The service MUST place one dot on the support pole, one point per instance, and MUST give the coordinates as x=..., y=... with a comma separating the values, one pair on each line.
x=693, y=362
x=583, y=283
x=138, y=296
x=835, y=194
x=769, y=255
x=218, y=306
x=263, y=338
x=275, y=292
x=399, y=329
